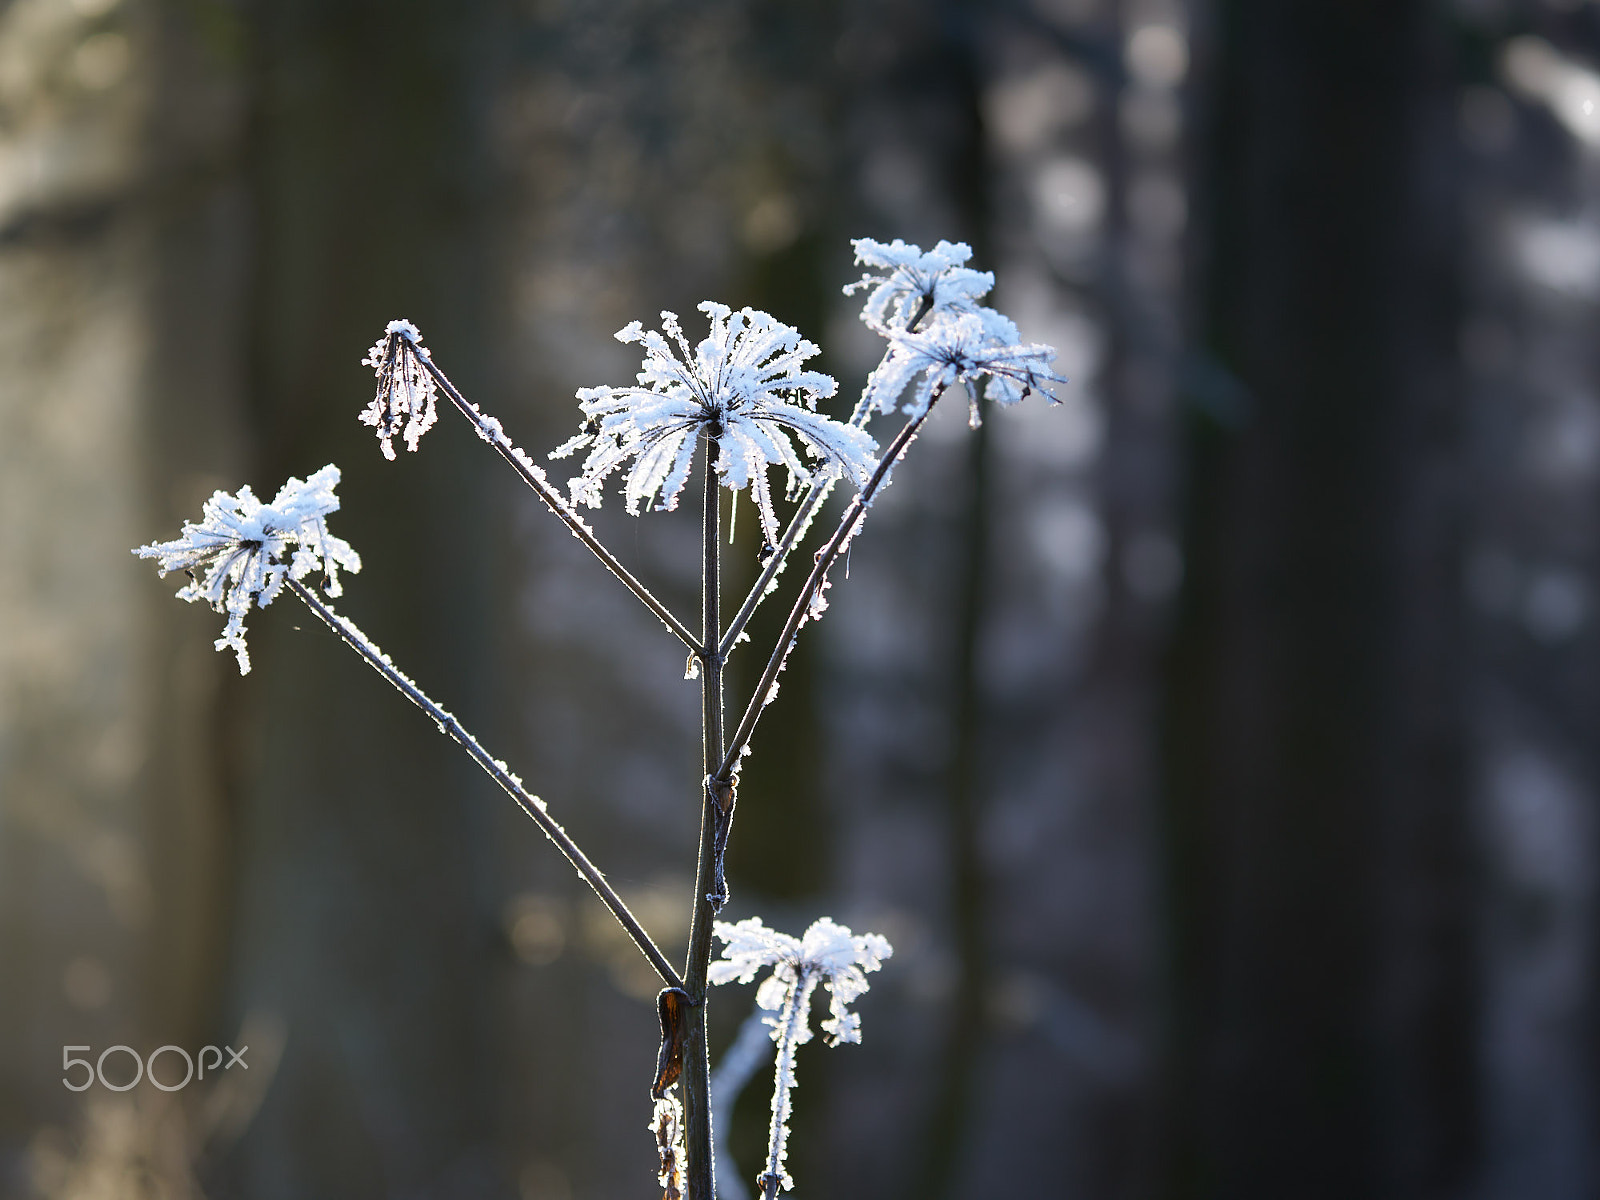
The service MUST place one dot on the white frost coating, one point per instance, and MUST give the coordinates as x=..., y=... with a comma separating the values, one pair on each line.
x=405, y=400
x=828, y=953
x=666, y=1122
x=956, y=339
x=243, y=548
x=732, y=384
x=903, y=279
x=961, y=350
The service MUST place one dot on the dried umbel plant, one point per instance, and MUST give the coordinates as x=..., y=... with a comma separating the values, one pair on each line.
x=744, y=395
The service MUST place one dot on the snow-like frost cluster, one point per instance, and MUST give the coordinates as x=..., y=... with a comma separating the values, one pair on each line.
x=962, y=349
x=904, y=281
x=733, y=385
x=926, y=305
x=405, y=401
x=240, y=553
x=828, y=954
x=828, y=950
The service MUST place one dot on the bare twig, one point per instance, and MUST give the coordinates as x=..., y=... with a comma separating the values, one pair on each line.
x=533, y=475
x=530, y=804
x=798, y=524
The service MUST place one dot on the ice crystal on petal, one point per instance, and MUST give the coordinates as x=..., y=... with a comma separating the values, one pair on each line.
x=743, y=385
x=905, y=283
x=405, y=401
x=964, y=349
x=242, y=550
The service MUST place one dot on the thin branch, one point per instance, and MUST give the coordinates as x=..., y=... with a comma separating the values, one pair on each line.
x=798, y=525
x=815, y=495
x=533, y=475
x=826, y=557
x=530, y=804
x=793, y=1020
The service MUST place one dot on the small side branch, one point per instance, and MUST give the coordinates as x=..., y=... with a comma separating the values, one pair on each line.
x=826, y=557
x=530, y=804
x=814, y=497
x=533, y=475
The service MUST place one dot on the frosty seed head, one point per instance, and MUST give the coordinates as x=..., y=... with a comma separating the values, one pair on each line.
x=964, y=349
x=241, y=551
x=405, y=401
x=744, y=386
x=903, y=283
x=828, y=950
x=954, y=340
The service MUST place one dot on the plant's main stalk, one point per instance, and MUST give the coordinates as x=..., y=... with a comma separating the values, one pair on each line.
x=530, y=804
x=716, y=810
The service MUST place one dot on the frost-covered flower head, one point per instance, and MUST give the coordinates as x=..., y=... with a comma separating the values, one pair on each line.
x=404, y=404
x=733, y=386
x=828, y=951
x=242, y=550
x=904, y=282
x=976, y=345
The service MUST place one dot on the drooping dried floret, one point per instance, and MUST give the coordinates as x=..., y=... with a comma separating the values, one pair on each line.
x=744, y=385
x=242, y=550
x=405, y=401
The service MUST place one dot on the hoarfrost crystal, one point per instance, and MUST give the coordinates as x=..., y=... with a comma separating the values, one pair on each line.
x=405, y=402
x=240, y=553
x=733, y=386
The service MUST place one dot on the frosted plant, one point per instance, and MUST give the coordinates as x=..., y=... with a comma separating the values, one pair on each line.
x=405, y=402
x=732, y=386
x=910, y=286
x=745, y=395
x=963, y=349
x=243, y=551
x=828, y=954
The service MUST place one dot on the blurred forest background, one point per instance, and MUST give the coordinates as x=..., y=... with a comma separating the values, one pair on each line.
x=1218, y=748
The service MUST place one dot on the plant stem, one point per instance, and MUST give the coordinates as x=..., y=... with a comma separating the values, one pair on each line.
x=792, y=1023
x=696, y=1064
x=533, y=475
x=530, y=804
x=826, y=557
x=815, y=495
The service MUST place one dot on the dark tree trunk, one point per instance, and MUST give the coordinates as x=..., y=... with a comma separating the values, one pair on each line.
x=1315, y=817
